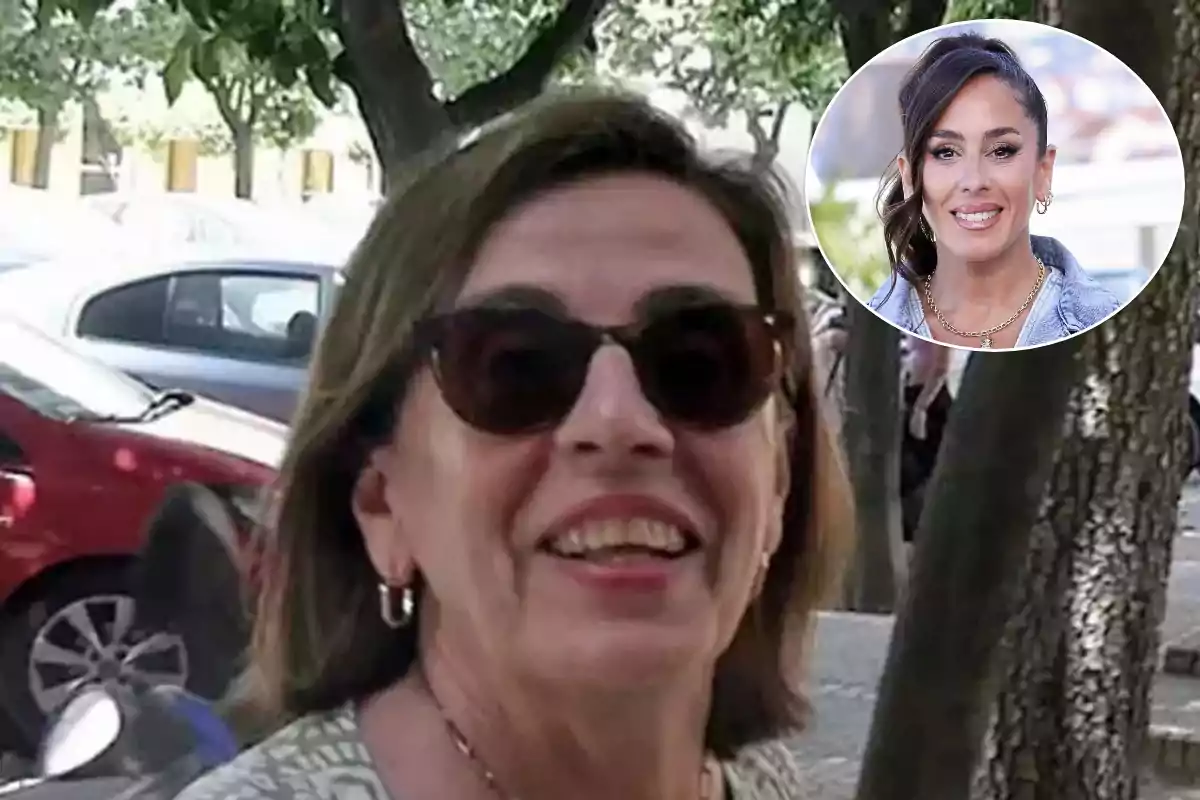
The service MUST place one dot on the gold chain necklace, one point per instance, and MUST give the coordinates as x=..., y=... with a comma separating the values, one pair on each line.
x=710, y=773
x=985, y=336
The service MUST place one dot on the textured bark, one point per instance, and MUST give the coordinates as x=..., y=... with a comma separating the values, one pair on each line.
x=983, y=497
x=1073, y=707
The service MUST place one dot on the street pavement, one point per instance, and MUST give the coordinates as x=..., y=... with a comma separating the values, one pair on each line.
x=848, y=661
x=851, y=649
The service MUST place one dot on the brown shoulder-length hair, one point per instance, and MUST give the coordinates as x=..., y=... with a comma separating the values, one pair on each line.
x=928, y=89
x=318, y=639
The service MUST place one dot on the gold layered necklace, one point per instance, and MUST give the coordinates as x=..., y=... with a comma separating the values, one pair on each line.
x=984, y=336
x=711, y=782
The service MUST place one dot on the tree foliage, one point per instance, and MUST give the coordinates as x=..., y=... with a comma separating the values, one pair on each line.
x=464, y=43
x=728, y=57
x=48, y=59
x=251, y=101
x=417, y=68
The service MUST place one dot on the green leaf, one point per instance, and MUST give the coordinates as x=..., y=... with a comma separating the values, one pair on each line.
x=320, y=81
x=45, y=12
x=206, y=61
x=263, y=44
x=312, y=50
x=200, y=12
x=179, y=67
x=285, y=70
x=343, y=67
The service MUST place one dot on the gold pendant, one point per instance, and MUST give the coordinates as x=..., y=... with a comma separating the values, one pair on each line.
x=985, y=342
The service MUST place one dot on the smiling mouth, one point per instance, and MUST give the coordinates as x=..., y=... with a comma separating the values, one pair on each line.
x=614, y=540
x=976, y=217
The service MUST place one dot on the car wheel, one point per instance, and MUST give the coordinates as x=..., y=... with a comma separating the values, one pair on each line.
x=79, y=629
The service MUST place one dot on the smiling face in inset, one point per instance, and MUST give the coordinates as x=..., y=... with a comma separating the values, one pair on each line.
x=514, y=534
x=982, y=172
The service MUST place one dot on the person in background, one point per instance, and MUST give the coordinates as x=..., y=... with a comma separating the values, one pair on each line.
x=925, y=368
x=559, y=503
x=925, y=396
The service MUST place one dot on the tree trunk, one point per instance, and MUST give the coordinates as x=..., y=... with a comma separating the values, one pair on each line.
x=871, y=434
x=47, y=121
x=1073, y=707
x=395, y=90
x=983, y=497
x=1142, y=41
x=243, y=162
x=867, y=27
x=871, y=391
x=393, y=87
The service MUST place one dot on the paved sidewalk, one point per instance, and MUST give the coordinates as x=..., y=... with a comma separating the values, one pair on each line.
x=849, y=658
x=1181, y=630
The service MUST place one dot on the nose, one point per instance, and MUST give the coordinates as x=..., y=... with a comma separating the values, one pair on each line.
x=973, y=176
x=612, y=421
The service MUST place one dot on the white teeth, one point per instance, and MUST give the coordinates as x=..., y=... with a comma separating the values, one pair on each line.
x=979, y=216
x=601, y=534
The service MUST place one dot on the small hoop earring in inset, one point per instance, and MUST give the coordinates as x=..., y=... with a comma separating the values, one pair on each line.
x=1043, y=205
x=396, y=612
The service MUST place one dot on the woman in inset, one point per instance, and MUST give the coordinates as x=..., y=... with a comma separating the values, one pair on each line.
x=956, y=206
x=559, y=503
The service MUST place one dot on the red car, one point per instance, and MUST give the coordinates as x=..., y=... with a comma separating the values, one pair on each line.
x=86, y=455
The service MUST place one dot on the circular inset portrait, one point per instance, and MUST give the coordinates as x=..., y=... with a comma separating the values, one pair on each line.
x=994, y=185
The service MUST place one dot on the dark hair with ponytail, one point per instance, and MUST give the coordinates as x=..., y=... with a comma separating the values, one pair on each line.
x=928, y=89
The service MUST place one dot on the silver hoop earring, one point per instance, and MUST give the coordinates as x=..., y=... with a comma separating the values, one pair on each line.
x=396, y=614
x=1043, y=206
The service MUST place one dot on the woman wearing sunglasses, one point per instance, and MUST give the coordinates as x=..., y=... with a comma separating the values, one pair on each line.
x=558, y=505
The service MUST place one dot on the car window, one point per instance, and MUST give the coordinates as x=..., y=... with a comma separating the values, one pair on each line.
x=244, y=315
x=131, y=313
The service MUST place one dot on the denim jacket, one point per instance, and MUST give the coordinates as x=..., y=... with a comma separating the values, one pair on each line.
x=1070, y=301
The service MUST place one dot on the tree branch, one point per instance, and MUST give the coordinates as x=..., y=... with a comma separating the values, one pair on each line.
x=258, y=87
x=526, y=79
x=780, y=117
x=222, y=95
x=393, y=86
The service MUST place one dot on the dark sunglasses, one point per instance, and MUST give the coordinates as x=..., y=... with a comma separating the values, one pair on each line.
x=521, y=370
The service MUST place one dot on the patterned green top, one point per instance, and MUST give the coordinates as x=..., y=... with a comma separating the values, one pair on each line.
x=323, y=757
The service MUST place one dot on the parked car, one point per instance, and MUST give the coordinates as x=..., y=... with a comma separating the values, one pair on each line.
x=86, y=457
x=36, y=225
x=238, y=329
x=171, y=219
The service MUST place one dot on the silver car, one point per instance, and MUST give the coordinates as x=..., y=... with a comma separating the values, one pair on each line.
x=238, y=329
